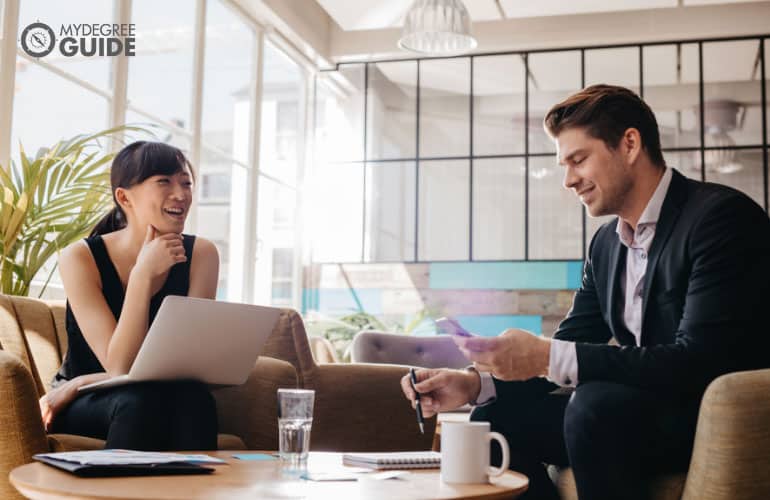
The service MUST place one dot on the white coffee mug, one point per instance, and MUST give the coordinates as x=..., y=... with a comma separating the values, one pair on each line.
x=465, y=452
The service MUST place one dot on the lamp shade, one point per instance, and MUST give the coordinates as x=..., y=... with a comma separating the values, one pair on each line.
x=721, y=161
x=437, y=27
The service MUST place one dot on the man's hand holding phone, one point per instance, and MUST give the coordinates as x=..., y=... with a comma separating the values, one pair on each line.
x=452, y=327
x=513, y=355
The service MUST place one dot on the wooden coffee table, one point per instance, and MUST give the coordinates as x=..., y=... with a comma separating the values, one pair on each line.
x=257, y=479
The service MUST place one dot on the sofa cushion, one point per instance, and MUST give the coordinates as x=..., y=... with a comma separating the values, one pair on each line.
x=230, y=442
x=58, y=311
x=289, y=342
x=11, y=335
x=22, y=429
x=28, y=330
x=250, y=410
x=37, y=321
x=71, y=442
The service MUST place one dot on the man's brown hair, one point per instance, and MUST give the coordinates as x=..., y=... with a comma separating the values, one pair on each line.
x=606, y=112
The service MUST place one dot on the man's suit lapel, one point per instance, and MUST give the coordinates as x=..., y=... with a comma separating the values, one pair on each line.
x=616, y=254
x=669, y=213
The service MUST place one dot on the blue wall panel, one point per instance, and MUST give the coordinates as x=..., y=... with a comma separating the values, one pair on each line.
x=574, y=274
x=557, y=275
x=493, y=325
x=340, y=301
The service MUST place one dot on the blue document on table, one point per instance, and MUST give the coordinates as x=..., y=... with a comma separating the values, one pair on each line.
x=254, y=456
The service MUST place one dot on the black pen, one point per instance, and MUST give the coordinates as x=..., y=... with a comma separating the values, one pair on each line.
x=417, y=407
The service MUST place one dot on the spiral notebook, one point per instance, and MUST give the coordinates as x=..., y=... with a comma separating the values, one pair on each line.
x=394, y=460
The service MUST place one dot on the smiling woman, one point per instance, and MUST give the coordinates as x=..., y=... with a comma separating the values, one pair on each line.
x=166, y=168
x=115, y=282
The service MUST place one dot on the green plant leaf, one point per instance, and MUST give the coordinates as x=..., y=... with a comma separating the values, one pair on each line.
x=50, y=201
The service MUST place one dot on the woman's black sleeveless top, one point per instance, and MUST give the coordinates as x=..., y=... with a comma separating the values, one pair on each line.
x=80, y=359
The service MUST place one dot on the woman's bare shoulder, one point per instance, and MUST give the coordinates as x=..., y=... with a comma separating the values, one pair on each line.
x=75, y=253
x=204, y=269
x=205, y=250
x=77, y=258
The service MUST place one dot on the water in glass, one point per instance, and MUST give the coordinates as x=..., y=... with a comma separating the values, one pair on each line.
x=294, y=438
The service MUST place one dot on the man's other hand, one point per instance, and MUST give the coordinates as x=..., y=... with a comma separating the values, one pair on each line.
x=442, y=389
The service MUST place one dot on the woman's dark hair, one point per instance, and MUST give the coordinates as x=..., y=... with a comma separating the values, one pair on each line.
x=606, y=112
x=133, y=165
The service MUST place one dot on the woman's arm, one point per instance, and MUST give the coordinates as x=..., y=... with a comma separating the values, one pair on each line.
x=105, y=336
x=204, y=270
x=59, y=397
x=116, y=343
x=83, y=288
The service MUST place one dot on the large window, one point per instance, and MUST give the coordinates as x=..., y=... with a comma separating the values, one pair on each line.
x=199, y=91
x=160, y=76
x=732, y=116
x=79, y=105
x=94, y=70
x=457, y=166
x=226, y=129
x=277, y=264
x=42, y=117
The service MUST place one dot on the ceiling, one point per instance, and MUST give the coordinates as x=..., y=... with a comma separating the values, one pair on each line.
x=352, y=15
x=671, y=74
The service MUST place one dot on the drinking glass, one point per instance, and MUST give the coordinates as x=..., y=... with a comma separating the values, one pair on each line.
x=295, y=417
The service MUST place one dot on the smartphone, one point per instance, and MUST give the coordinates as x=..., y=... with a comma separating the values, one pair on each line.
x=452, y=327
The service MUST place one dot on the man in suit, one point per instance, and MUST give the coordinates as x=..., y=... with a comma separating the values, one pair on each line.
x=678, y=279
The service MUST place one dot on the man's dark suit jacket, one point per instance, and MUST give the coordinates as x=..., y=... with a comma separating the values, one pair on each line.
x=705, y=288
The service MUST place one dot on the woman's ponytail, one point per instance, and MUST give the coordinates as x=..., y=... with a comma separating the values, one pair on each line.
x=114, y=220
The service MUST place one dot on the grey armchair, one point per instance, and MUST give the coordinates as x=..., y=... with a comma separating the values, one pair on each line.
x=438, y=351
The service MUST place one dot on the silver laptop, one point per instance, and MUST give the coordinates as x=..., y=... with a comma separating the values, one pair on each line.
x=199, y=339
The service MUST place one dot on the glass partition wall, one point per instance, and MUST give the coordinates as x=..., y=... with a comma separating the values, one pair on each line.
x=445, y=159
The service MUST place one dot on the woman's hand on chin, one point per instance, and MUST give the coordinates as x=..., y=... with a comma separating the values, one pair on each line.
x=159, y=253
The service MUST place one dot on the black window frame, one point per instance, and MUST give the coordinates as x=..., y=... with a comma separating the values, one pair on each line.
x=526, y=155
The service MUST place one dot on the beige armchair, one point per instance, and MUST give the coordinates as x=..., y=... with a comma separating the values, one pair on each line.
x=32, y=342
x=731, y=457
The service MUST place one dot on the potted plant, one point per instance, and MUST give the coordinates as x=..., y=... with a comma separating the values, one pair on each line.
x=49, y=201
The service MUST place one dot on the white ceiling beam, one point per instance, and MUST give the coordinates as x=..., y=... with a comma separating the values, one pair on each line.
x=518, y=9
x=365, y=14
x=710, y=21
x=302, y=24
